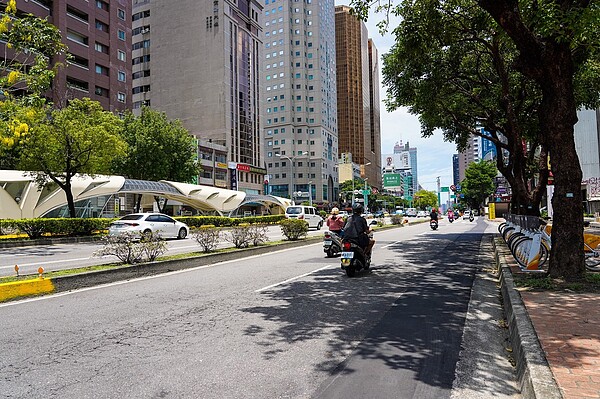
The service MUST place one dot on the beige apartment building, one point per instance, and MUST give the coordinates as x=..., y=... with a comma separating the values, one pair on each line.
x=198, y=61
x=358, y=94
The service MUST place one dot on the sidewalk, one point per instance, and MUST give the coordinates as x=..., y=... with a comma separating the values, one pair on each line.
x=567, y=326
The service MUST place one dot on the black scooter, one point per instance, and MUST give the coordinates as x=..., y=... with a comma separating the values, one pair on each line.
x=353, y=256
x=332, y=244
x=433, y=224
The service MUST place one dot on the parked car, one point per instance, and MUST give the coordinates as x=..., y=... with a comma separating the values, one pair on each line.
x=421, y=214
x=344, y=214
x=379, y=214
x=146, y=223
x=307, y=213
x=411, y=212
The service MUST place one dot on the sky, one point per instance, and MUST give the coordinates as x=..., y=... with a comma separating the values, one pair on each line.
x=434, y=155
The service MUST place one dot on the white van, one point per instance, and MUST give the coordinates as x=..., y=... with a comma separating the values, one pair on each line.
x=411, y=212
x=307, y=213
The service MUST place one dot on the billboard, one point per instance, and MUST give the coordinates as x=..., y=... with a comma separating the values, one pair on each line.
x=392, y=180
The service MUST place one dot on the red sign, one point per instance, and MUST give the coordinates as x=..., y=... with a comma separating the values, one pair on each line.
x=243, y=168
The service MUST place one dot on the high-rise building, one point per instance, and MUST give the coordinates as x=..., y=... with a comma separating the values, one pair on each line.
x=358, y=94
x=98, y=35
x=455, y=170
x=299, y=97
x=412, y=155
x=471, y=154
x=198, y=61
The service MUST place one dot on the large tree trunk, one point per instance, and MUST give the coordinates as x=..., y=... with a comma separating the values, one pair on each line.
x=558, y=118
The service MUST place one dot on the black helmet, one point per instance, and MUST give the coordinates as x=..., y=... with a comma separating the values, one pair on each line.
x=357, y=208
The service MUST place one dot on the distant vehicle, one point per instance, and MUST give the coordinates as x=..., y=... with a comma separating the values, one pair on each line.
x=307, y=213
x=379, y=214
x=421, y=214
x=411, y=212
x=344, y=214
x=149, y=223
x=399, y=212
x=466, y=215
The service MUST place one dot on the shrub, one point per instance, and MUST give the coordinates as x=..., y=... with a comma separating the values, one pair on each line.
x=208, y=237
x=239, y=236
x=129, y=248
x=258, y=234
x=293, y=229
x=397, y=219
x=35, y=228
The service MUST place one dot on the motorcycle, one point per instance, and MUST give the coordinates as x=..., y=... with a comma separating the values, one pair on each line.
x=353, y=256
x=471, y=217
x=433, y=224
x=332, y=244
x=450, y=218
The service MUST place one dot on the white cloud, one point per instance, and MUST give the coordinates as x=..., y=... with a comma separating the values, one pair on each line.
x=434, y=156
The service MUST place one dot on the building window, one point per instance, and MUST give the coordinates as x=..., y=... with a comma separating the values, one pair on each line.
x=121, y=14
x=101, y=70
x=121, y=55
x=101, y=91
x=121, y=34
x=101, y=48
x=102, y=5
x=121, y=76
x=121, y=97
x=76, y=37
x=101, y=26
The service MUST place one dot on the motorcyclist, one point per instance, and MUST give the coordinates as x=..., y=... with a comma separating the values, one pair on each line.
x=357, y=230
x=450, y=214
x=335, y=222
x=433, y=215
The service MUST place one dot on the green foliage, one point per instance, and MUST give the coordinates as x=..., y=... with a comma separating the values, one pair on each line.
x=424, y=199
x=70, y=227
x=294, y=229
x=479, y=182
x=158, y=149
x=223, y=221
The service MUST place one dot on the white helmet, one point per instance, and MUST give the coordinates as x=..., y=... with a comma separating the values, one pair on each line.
x=335, y=211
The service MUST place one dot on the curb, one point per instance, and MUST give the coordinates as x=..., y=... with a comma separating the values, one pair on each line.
x=43, y=286
x=533, y=371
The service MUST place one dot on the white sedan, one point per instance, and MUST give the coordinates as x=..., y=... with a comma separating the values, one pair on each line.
x=149, y=223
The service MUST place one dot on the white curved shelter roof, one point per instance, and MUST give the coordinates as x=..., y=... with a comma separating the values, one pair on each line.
x=20, y=196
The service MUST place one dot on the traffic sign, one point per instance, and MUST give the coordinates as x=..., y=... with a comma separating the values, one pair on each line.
x=453, y=187
x=458, y=187
x=444, y=190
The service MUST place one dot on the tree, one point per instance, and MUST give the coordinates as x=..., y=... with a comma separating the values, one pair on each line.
x=34, y=45
x=478, y=183
x=520, y=69
x=424, y=199
x=81, y=138
x=158, y=149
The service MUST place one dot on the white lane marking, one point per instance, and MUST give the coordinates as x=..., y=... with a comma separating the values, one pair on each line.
x=133, y=280
x=291, y=279
x=43, y=263
x=389, y=245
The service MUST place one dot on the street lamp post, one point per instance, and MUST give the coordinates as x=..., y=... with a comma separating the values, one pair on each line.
x=367, y=164
x=291, y=159
x=310, y=192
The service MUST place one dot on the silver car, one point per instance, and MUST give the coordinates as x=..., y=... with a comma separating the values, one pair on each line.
x=149, y=223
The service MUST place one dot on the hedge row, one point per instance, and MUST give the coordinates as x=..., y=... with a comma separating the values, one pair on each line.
x=221, y=221
x=71, y=227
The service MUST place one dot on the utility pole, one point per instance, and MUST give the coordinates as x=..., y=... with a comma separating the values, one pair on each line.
x=439, y=194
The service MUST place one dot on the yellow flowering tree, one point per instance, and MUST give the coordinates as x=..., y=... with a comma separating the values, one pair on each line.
x=32, y=48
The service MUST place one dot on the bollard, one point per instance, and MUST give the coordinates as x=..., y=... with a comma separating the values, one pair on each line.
x=41, y=271
x=17, y=270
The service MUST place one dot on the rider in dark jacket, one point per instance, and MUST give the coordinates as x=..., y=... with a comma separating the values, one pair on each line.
x=357, y=229
x=433, y=215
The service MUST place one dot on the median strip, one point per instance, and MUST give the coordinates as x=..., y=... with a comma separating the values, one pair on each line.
x=18, y=289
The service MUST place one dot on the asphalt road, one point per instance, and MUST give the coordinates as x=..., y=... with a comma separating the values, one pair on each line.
x=288, y=324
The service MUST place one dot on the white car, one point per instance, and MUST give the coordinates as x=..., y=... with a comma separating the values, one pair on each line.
x=421, y=214
x=146, y=223
x=307, y=213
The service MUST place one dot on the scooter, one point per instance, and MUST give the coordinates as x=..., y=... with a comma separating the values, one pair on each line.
x=353, y=256
x=332, y=244
x=433, y=224
x=450, y=218
x=471, y=217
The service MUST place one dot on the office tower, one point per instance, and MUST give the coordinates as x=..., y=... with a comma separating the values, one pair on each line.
x=412, y=155
x=455, y=170
x=299, y=97
x=471, y=154
x=97, y=34
x=358, y=94
x=198, y=61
